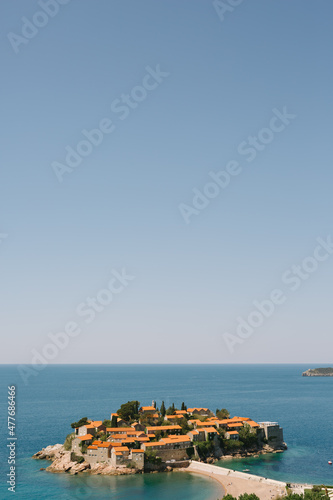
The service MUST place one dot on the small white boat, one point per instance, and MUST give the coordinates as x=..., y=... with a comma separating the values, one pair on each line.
x=329, y=462
x=246, y=470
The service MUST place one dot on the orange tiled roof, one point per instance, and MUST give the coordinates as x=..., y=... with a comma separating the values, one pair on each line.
x=91, y=447
x=232, y=433
x=236, y=424
x=105, y=445
x=252, y=423
x=87, y=437
x=209, y=429
x=148, y=408
x=118, y=429
x=137, y=451
x=169, y=440
x=96, y=423
x=199, y=409
x=164, y=428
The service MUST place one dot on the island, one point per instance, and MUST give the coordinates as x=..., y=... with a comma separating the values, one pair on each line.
x=143, y=439
x=318, y=372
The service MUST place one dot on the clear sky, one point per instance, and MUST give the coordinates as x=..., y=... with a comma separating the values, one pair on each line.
x=196, y=89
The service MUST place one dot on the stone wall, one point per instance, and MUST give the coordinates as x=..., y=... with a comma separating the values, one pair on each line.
x=178, y=454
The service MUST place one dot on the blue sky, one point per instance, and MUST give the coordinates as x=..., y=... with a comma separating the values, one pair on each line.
x=119, y=208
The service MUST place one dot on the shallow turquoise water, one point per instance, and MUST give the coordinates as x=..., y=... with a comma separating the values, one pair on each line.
x=62, y=394
x=163, y=486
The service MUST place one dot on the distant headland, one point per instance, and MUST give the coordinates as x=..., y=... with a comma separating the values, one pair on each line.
x=318, y=372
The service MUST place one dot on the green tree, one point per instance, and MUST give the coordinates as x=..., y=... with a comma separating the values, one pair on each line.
x=171, y=409
x=129, y=410
x=68, y=441
x=222, y=414
x=183, y=408
x=79, y=423
x=248, y=496
x=248, y=436
x=107, y=423
x=114, y=421
x=162, y=410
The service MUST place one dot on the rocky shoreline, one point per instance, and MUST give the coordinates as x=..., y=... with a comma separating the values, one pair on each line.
x=61, y=462
x=318, y=372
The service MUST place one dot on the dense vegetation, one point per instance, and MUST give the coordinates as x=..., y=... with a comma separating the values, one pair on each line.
x=68, y=441
x=317, y=493
x=82, y=421
x=129, y=411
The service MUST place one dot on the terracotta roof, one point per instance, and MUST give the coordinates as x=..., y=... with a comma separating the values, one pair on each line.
x=178, y=439
x=232, y=433
x=96, y=423
x=119, y=436
x=97, y=442
x=104, y=445
x=91, y=447
x=164, y=428
x=119, y=454
x=194, y=432
x=252, y=423
x=119, y=429
x=148, y=408
x=180, y=412
x=199, y=409
x=138, y=451
x=235, y=425
x=230, y=420
x=87, y=437
x=122, y=448
x=209, y=429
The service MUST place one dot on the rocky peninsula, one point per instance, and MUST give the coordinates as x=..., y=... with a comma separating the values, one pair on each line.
x=318, y=372
x=139, y=439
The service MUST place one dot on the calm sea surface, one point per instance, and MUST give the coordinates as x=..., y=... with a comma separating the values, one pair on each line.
x=60, y=395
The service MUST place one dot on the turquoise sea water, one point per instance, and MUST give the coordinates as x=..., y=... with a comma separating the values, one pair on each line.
x=62, y=394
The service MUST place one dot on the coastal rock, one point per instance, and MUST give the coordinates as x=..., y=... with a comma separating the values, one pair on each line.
x=62, y=463
x=108, y=470
x=50, y=452
x=318, y=372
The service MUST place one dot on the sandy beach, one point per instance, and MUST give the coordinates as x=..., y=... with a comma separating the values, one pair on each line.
x=236, y=483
